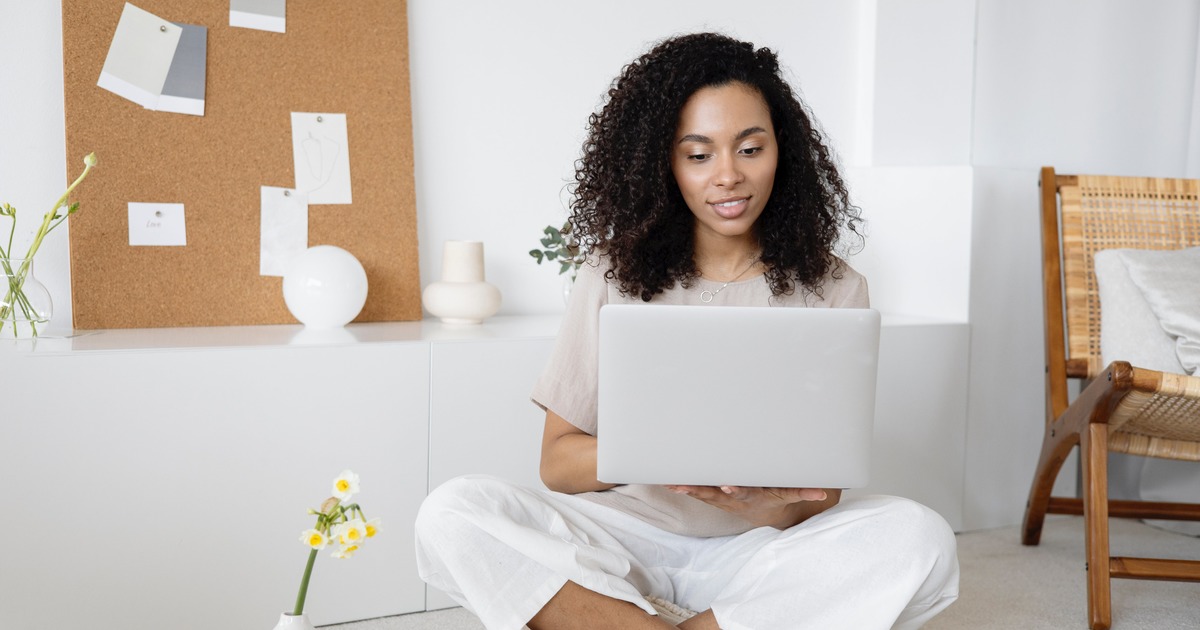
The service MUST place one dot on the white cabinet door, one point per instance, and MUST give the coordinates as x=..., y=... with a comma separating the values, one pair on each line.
x=169, y=488
x=920, y=416
x=481, y=419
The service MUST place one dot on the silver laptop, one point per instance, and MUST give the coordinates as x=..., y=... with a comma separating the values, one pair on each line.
x=744, y=396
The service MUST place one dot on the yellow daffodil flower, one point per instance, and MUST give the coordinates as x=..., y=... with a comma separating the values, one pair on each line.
x=373, y=526
x=345, y=551
x=352, y=532
x=314, y=539
x=345, y=485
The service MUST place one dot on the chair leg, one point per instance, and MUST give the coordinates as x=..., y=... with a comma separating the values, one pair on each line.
x=1094, y=451
x=1056, y=446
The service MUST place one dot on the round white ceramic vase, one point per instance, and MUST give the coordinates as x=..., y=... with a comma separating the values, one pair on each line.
x=325, y=287
x=288, y=621
x=462, y=296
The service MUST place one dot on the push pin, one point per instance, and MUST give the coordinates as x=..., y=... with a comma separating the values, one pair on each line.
x=320, y=119
x=163, y=28
x=287, y=193
x=158, y=213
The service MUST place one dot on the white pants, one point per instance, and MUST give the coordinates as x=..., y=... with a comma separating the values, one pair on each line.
x=502, y=551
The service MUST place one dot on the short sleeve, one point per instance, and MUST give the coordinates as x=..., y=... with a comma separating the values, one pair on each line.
x=569, y=383
x=855, y=294
x=843, y=287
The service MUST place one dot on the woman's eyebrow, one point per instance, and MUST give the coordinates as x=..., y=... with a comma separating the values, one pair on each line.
x=749, y=131
x=695, y=137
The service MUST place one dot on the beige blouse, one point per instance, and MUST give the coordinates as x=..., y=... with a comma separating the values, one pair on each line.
x=568, y=385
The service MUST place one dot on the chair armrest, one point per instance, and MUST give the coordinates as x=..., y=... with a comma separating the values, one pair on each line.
x=1098, y=400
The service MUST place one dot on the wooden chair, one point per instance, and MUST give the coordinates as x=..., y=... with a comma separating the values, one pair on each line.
x=1121, y=408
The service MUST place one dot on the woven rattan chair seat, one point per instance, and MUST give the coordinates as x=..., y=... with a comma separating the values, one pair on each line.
x=1159, y=424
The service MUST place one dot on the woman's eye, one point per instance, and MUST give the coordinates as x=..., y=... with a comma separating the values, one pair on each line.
x=697, y=157
x=751, y=150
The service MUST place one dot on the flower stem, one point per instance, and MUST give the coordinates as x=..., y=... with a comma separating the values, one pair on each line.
x=49, y=216
x=312, y=556
x=15, y=298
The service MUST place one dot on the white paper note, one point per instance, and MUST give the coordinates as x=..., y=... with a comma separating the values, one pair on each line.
x=156, y=224
x=139, y=57
x=284, y=230
x=321, y=155
x=263, y=15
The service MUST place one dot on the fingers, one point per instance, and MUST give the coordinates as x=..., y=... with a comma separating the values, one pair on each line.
x=736, y=493
x=811, y=494
x=710, y=492
x=741, y=493
x=784, y=495
x=795, y=495
x=700, y=492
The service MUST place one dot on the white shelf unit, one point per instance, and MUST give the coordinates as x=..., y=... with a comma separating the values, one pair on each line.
x=168, y=470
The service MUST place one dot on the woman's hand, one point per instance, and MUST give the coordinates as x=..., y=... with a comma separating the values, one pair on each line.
x=780, y=508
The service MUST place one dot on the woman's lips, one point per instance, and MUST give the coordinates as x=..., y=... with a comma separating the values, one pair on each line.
x=730, y=208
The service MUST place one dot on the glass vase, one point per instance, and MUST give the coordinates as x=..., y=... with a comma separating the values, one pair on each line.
x=25, y=306
x=568, y=283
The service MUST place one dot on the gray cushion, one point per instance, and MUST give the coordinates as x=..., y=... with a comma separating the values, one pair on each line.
x=1150, y=316
x=1170, y=282
x=1129, y=329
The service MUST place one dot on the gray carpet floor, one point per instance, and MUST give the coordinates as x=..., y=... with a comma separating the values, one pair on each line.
x=1004, y=585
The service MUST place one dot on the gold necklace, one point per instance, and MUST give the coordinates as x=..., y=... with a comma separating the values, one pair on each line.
x=707, y=296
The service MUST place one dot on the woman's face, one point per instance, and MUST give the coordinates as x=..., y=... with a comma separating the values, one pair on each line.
x=724, y=158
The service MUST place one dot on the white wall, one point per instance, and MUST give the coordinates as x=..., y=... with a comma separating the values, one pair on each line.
x=923, y=82
x=1086, y=86
x=918, y=238
x=33, y=137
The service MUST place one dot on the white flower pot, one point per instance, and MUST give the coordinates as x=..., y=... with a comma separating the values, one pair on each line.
x=462, y=296
x=288, y=621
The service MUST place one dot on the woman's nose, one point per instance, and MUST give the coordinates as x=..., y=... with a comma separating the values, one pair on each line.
x=727, y=172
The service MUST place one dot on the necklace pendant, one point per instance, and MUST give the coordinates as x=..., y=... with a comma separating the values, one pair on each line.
x=707, y=296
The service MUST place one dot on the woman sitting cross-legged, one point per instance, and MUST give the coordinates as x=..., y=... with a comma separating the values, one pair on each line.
x=703, y=181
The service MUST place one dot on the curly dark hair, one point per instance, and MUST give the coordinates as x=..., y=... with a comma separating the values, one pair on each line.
x=627, y=205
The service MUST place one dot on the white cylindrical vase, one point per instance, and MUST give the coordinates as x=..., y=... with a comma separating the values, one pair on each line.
x=462, y=296
x=288, y=621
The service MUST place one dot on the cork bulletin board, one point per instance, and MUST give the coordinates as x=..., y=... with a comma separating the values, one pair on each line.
x=336, y=56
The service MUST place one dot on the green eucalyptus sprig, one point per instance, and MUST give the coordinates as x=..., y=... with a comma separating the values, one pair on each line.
x=559, y=245
x=15, y=297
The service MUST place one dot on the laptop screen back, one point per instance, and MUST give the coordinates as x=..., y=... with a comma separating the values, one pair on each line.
x=747, y=396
